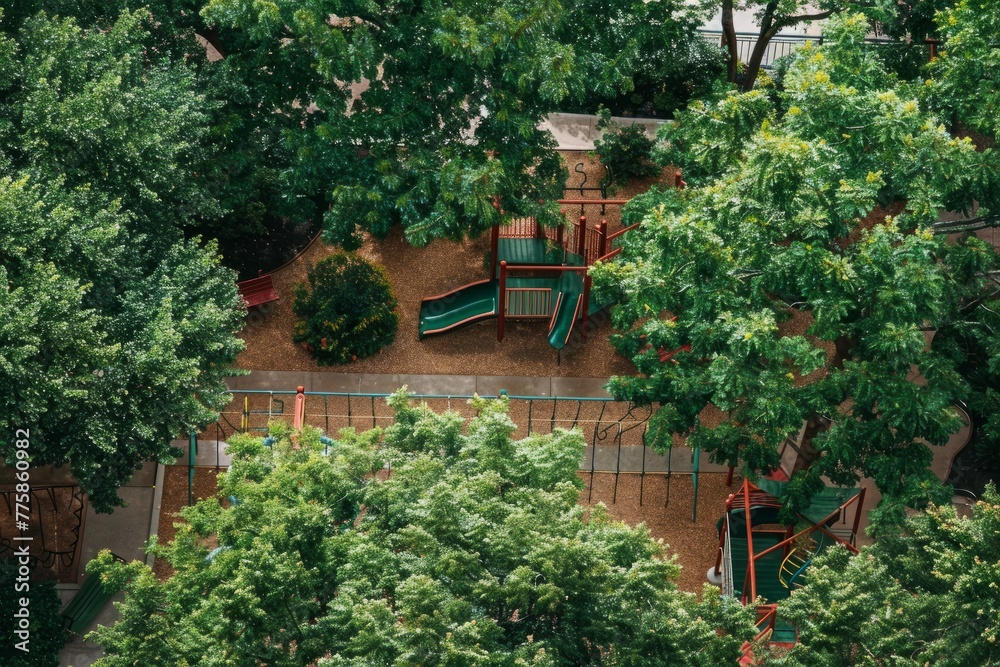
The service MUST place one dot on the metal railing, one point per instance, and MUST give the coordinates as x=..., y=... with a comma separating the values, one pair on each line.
x=728, y=586
x=614, y=431
x=779, y=46
x=782, y=45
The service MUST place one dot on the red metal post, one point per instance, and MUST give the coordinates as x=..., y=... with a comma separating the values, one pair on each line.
x=300, y=407
x=502, y=300
x=586, y=307
x=494, y=245
x=581, y=237
x=933, y=44
x=602, y=248
x=751, y=566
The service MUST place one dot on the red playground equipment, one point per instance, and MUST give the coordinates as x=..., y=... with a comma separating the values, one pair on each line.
x=535, y=273
x=763, y=558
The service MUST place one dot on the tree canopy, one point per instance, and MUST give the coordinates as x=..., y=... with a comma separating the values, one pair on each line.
x=445, y=126
x=796, y=283
x=117, y=333
x=473, y=551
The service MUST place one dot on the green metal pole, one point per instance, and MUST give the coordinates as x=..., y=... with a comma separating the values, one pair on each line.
x=694, y=482
x=192, y=451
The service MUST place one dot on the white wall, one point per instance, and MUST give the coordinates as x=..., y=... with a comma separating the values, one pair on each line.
x=744, y=21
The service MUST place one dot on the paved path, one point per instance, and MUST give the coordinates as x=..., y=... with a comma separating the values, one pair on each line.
x=432, y=385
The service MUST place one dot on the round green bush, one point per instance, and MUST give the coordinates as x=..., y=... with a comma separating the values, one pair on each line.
x=624, y=150
x=347, y=311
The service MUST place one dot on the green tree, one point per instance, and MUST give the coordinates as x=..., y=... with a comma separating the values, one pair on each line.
x=117, y=332
x=795, y=285
x=447, y=127
x=47, y=635
x=772, y=16
x=94, y=108
x=924, y=595
x=104, y=359
x=121, y=96
x=473, y=551
x=445, y=130
x=624, y=150
x=347, y=311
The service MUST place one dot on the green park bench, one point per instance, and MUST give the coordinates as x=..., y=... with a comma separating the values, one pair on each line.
x=88, y=602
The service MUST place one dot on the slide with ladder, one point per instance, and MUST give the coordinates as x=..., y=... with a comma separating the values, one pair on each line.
x=459, y=307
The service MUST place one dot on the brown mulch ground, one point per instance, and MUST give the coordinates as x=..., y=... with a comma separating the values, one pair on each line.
x=175, y=497
x=667, y=517
x=416, y=273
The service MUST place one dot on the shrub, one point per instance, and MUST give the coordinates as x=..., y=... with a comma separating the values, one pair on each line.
x=47, y=635
x=348, y=310
x=624, y=149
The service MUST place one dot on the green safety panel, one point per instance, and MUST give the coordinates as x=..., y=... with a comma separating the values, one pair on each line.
x=827, y=501
x=527, y=251
x=784, y=632
x=768, y=585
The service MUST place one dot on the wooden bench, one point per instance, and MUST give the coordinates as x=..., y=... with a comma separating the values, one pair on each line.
x=257, y=291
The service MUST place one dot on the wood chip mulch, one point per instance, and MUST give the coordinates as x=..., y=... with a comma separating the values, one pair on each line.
x=416, y=273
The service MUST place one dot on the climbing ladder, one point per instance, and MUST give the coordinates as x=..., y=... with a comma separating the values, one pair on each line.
x=793, y=568
x=275, y=407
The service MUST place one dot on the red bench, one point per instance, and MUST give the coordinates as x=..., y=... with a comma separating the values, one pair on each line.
x=257, y=291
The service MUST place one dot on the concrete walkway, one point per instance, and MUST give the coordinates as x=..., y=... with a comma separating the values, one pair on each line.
x=577, y=132
x=430, y=385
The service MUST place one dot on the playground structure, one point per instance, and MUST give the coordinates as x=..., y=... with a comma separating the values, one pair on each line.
x=760, y=556
x=535, y=273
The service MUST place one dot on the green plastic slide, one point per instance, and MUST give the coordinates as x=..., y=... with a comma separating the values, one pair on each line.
x=457, y=308
x=569, y=301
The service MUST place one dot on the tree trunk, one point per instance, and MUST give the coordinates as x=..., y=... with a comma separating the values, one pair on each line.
x=753, y=67
x=768, y=29
x=729, y=39
x=843, y=346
